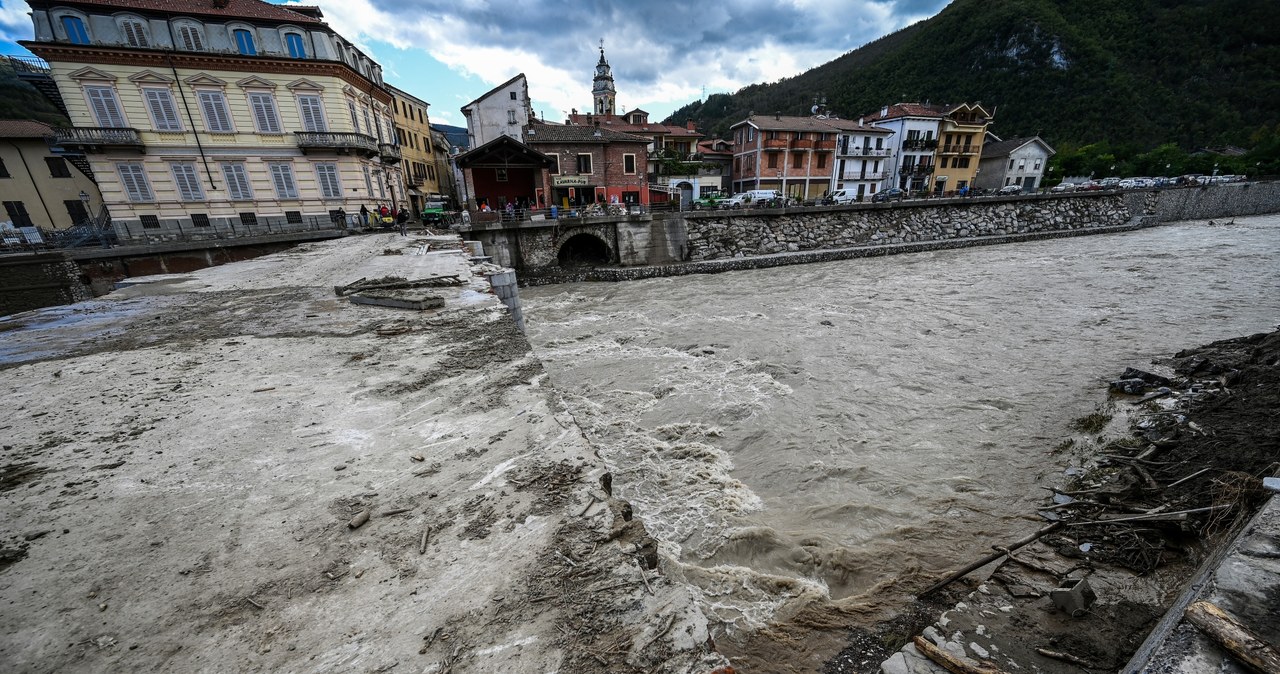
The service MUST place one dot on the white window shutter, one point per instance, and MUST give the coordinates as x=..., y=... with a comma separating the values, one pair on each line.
x=312, y=113
x=105, y=107
x=134, y=179
x=163, y=111
x=264, y=113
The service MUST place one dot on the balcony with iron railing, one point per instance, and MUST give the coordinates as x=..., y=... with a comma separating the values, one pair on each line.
x=870, y=175
x=415, y=180
x=390, y=154
x=93, y=138
x=326, y=141
x=916, y=170
x=919, y=144
x=857, y=151
x=958, y=149
x=33, y=65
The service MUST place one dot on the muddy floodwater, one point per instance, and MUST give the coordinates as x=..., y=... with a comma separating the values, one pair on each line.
x=833, y=431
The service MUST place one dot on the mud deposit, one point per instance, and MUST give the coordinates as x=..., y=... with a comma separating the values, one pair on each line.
x=813, y=445
x=234, y=470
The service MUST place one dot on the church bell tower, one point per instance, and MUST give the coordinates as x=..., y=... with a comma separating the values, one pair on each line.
x=602, y=90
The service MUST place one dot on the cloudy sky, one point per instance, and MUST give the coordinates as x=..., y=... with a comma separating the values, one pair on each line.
x=663, y=54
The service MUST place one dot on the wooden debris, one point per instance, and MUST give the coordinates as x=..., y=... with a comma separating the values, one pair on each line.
x=1175, y=516
x=422, y=545
x=1065, y=657
x=360, y=519
x=255, y=604
x=1001, y=552
x=264, y=389
x=395, y=511
x=1238, y=640
x=950, y=662
x=1194, y=475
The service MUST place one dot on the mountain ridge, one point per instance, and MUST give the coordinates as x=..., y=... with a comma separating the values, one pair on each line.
x=1132, y=73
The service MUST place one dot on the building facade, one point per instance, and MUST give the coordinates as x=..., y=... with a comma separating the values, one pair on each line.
x=590, y=165
x=218, y=115
x=793, y=155
x=863, y=157
x=424, y=168
x=1017, y=161
x=502, y=111
x=936, y=147
x=38, y=186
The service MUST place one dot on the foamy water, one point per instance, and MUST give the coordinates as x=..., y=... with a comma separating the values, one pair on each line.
x=830, y=431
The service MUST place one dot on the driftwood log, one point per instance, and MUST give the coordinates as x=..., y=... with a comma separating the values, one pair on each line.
x=1241, y=643
x=951, y=662
x=1004, y=550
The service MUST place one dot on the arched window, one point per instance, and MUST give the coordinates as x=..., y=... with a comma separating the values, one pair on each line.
x=297, y=48
x=189, y=37
x=134, y=32
x=74, y=26
x=244, y=42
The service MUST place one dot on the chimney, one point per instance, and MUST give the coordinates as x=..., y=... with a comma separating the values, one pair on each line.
x=689, y=125
x=777, y=116
x=884, y=112
x=861, y=120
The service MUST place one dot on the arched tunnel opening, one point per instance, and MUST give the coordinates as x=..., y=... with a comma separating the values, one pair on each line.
x=584, y=250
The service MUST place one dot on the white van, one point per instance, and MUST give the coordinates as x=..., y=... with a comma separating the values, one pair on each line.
x=749, y=197
x=842, y=197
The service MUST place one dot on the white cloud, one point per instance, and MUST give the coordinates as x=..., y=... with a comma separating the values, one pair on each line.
x=662, y=55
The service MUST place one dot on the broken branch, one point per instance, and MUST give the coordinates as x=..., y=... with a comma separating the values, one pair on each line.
x=1241, y=643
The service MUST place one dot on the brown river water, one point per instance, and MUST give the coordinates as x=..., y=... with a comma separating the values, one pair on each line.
x=836, y=431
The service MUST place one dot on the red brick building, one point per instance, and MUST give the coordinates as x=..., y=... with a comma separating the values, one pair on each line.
x=794, y=155
x=589, y=164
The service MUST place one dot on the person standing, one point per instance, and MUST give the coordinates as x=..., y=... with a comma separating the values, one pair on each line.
x=402, y=219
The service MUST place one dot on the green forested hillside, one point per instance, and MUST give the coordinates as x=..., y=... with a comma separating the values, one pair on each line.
x=1130, y=73
x=19, y=100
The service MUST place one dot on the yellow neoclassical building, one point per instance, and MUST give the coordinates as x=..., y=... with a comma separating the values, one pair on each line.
x=424, y=166
x=226, y=118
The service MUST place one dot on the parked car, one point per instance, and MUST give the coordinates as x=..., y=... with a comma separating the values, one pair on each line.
x=1010, y=189
x=891, y=194
x=708, y=202
x=1063, y=187
x=1110, y=183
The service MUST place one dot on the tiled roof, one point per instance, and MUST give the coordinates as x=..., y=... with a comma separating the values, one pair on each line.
x=908, y=110
x=618, y=124
x=853, y=125
x=24, y=128
x=822, y=125
x=243, y=9
x=572, y=133
x=1004, y=147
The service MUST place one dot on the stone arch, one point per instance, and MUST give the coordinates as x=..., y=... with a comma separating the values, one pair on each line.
x=584, y=250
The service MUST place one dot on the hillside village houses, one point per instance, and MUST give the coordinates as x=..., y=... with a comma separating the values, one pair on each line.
x=230, y=115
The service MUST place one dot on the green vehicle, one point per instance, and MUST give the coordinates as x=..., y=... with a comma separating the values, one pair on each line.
x=707, y=202
x=433, y=212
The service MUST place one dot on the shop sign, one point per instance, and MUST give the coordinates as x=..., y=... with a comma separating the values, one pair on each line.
x=568, y=181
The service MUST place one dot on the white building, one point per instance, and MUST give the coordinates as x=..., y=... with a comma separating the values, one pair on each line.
x=915, y=138
x=1020, y=161
x=863, y=157
x=502, y=111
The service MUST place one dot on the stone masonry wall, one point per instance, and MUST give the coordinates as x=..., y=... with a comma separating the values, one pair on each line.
x=39, y=280
x=733, y=234
x=1207, y=202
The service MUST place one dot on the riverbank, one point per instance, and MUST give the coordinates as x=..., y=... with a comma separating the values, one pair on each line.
x=236, y=470
x=1175, y=459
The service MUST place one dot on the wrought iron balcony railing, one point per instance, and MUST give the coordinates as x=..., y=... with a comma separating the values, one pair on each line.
x=958, y=149
x=916, y=170
x=919, y=144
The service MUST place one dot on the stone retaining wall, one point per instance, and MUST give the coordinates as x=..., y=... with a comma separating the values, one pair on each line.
x=734, y=234
x=38, y=280
x=1208, y=202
